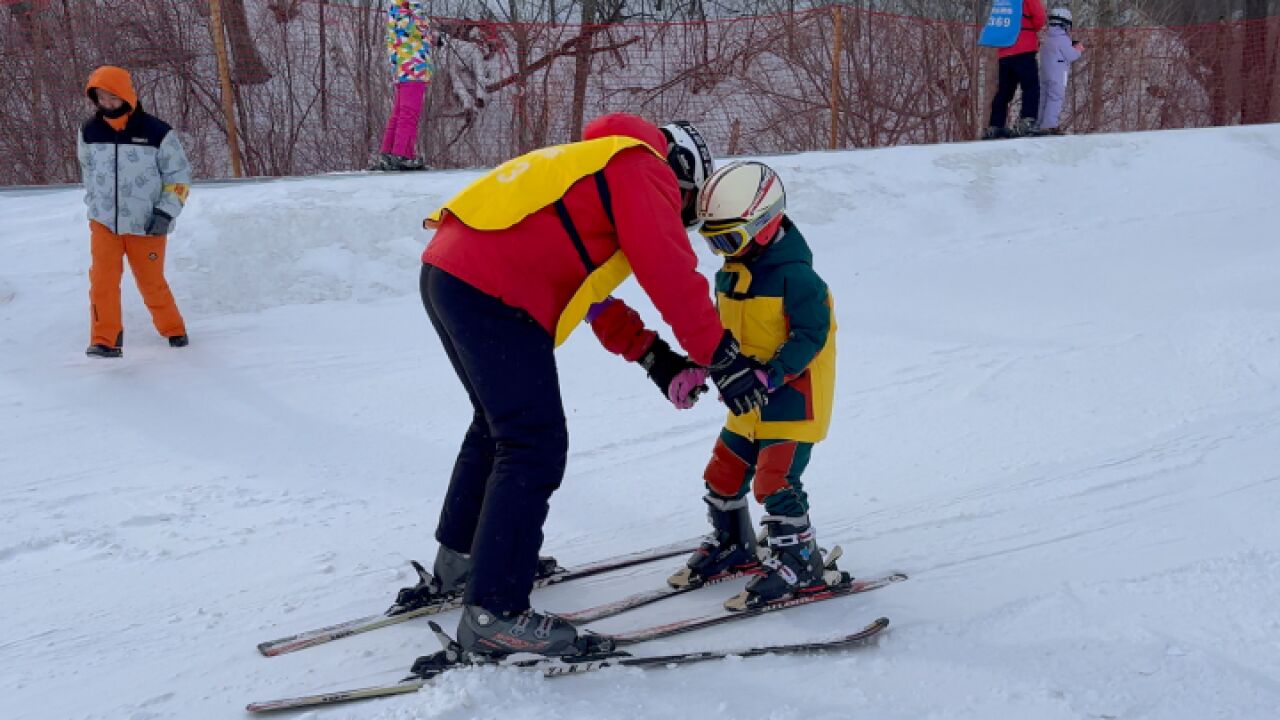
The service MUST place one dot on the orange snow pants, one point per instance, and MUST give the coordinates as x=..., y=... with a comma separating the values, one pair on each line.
x=146, y=259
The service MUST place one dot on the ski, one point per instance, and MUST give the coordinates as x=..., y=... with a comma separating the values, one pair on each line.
x=688, y=585
x=646, y=597
x=564, y=667
x=393, y=616
x=847, y=586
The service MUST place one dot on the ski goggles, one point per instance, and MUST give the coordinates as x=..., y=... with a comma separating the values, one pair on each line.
x=729, y=241
x=732, y=237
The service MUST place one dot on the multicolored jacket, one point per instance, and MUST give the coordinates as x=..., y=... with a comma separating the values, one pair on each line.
x=131, y=166
x=408, y=41
x=783, y=315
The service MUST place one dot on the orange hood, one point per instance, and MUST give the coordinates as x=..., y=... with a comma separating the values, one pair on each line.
x=117, y=82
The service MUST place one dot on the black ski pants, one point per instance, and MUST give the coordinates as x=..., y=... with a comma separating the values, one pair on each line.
x=513, y=455
x=1017, y=70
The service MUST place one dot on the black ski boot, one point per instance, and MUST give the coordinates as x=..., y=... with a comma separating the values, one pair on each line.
x=1025, y=127
x=794, y=565
x=98, y=350
x=381, y=162
x=729, y=549
x=446, y=581
x=448, y=578
x=485, y=635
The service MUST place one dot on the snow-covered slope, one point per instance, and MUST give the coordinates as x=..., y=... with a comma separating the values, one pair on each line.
x=1058, y=409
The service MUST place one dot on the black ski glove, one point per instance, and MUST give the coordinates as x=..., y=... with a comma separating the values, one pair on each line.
x=663, y=365
x=735, y=374
x=160, y=223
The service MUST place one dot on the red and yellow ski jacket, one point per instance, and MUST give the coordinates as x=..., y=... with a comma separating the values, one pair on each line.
x=556, y=230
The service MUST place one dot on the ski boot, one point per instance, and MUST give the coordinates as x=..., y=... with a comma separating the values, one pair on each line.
x=103, y=351
x=446, y=581
x=995, y=133
x=794, y=565
x=448, y=578
x=409, y=163
x=486, y=636
x=98, y=350
x=729, y=550
x=1025, y=127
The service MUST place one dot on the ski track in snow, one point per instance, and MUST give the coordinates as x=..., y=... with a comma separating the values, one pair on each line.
x=1058, y=409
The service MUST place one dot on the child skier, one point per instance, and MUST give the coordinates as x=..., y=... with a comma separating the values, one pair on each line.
x=770, y=297
x=1056, y=56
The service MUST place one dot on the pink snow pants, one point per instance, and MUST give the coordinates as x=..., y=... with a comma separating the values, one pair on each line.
x=402, y=126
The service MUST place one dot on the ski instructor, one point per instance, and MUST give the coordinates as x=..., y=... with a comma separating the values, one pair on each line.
x=518, y=259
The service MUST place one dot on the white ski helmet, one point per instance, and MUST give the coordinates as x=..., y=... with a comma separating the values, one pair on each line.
x=689, y=158
x=741, y=203
x=1060, y=16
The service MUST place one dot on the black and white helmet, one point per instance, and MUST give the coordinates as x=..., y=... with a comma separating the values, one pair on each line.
x=689, y=158
x=1060, y=16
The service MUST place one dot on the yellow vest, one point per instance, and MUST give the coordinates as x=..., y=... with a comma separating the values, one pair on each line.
x=524, y=185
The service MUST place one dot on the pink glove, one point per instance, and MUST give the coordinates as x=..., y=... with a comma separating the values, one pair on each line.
x=686, y=386
x=764, y=380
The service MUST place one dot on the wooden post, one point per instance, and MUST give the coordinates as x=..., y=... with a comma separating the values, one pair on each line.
x=837, y=49
x=37, y=71
x=224, y=75
x=324, y=70
x=582, y=68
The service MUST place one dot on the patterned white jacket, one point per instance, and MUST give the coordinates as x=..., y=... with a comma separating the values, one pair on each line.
x=130, y=175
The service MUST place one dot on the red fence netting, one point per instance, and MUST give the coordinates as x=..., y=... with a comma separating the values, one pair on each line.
x=312, y=87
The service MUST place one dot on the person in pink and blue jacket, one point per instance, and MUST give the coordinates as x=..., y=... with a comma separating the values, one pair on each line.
x=1057, y=52
x=409, y=38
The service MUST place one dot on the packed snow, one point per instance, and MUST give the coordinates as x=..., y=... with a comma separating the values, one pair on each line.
x=1058, y=410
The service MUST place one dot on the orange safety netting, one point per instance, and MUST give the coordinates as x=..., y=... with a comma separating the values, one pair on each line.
x=312, y=86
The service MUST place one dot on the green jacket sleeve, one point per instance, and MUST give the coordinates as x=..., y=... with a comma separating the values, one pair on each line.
x=805, y=300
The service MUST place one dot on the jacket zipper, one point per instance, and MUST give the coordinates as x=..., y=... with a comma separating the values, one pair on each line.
x=116, y=184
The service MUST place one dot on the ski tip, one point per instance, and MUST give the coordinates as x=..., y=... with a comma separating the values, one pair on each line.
x=871, y=632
